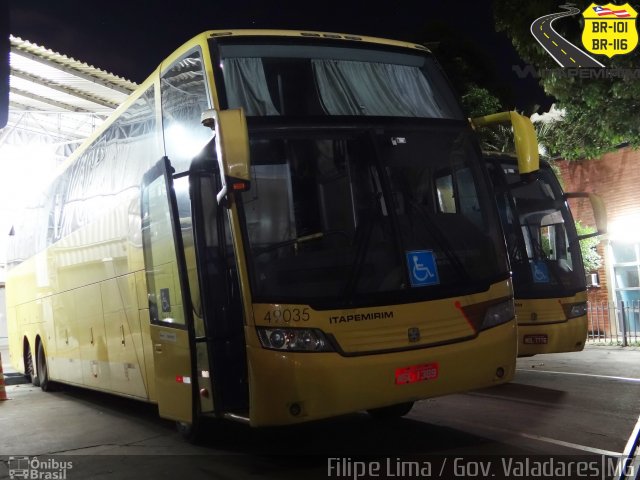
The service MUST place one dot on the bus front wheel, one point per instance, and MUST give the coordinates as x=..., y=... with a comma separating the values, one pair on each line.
x=391, y=412
x=191, y=432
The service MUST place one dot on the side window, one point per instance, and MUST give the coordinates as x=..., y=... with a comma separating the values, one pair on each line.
x=184, y=98
x=109, y=168
x=626, y=280
x=106, y=172
x=446, y=197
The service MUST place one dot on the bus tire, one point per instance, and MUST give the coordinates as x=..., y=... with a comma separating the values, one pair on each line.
x=43, y=371
x=191, y=432
x=391, y=412
x=30, y=367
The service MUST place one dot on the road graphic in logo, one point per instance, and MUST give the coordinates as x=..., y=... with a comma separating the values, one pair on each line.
x=609, y=30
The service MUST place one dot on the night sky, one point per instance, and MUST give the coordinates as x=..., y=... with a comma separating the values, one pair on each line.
x=131, y=38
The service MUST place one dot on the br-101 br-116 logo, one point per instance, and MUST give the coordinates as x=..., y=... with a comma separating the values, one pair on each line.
x=610, y=29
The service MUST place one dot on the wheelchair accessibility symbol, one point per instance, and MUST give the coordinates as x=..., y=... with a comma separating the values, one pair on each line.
x=540, y=272
x=422, y=268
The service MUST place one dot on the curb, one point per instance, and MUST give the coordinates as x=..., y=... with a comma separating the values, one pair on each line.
x=15, y=379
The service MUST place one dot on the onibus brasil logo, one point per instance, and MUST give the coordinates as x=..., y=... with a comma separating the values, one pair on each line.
x=608, y=30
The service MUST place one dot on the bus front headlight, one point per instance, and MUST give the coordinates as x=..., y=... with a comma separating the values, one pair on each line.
x=294, y=339
x=497, y=314
x=578, y=310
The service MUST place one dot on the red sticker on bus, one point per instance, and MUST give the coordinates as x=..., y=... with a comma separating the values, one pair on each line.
x=417, y=373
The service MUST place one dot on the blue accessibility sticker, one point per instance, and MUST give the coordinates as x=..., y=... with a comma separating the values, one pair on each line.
x=422, y=268
x=540, y=271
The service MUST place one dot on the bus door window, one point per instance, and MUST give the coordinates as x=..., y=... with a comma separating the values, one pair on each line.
x=165, y=304
x=181, y=189
x=214, y=253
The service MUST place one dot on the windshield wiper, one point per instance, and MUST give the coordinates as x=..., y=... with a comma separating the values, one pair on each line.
x=361, y=242
x=257, y=251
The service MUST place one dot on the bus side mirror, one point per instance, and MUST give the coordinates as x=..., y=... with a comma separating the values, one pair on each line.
x=524, y=134
x=232, y=150
x=599, y=212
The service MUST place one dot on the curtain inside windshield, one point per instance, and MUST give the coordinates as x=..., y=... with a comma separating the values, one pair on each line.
x=248, y=86
x=295, y=80
x=359, y=88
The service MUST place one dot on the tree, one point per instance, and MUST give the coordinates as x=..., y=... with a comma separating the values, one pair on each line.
x=599, y=112
x=470, y=69
x=478, y=101
x=590, y=256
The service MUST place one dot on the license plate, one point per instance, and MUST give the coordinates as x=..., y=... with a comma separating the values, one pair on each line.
x=535, y=339
x=417, y=373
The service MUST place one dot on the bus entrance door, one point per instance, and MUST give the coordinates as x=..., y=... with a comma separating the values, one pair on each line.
x=220, y=325
x=170, y=309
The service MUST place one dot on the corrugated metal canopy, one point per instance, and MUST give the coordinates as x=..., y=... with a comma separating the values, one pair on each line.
x=46, y=79
x=56, y=99
x=55, y=103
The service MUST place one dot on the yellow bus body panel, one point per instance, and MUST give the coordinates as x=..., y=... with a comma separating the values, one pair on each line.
x=562, y=334
x=84, y=300
x=329, y=384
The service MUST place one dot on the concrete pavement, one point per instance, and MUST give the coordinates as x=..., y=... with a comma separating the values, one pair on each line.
x=583, y=403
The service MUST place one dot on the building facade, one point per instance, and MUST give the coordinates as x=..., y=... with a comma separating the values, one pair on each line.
x=615, y=298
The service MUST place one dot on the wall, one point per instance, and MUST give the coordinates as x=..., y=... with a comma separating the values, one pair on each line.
x=616, y=178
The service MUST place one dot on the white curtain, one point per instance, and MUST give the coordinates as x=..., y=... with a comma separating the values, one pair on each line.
x=246, y=86
x=362, y=88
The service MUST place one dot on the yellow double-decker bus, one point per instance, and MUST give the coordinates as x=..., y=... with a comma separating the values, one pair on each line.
x=544, y=249
x=276, y=227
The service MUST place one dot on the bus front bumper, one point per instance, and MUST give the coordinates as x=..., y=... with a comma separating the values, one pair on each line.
x=565, y=336
x=288, y=388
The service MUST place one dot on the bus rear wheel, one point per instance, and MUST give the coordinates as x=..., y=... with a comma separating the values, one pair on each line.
x=43, y=371
x=391, y=412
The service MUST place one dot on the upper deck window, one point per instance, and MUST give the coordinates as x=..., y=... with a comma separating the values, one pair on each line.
x=312, y=80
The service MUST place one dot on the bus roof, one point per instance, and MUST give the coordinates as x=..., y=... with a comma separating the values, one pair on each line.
x=202, y=38
x=311, y=34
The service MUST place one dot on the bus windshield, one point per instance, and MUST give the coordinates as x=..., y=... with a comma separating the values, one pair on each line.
x=540, y=233
x=310, y=79
x=347, y=216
